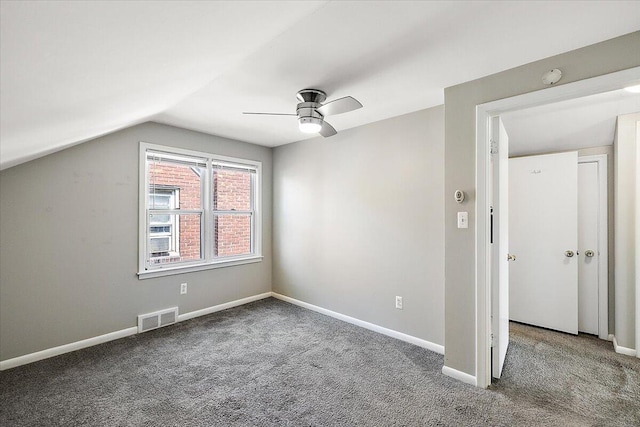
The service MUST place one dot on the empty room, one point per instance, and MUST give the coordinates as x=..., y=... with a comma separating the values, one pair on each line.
x=319, y=213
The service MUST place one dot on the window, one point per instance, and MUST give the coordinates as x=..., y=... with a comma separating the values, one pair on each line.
x=163, y=230
x=200, y=211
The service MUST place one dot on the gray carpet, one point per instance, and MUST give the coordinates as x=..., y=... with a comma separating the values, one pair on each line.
x=270, y=363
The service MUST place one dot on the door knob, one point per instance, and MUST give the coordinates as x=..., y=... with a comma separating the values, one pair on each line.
x=568, y=254
x=589, y=253
x=511, y=257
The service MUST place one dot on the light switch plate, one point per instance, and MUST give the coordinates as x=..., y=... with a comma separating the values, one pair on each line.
x=463, y=219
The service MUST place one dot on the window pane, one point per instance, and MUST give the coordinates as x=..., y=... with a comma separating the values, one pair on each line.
x=160, y=201
x=232, y=235
x=177, y=240
x=231, y=190
x=174, y=185
x=160, y=245
x=160, y=219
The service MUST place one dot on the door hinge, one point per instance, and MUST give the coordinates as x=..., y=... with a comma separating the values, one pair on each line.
x=492, y=341
x=493, y=146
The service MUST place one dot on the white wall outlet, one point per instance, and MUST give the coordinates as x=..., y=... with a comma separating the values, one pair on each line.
x=183, y=288
x=399, y=303
x=463, y=220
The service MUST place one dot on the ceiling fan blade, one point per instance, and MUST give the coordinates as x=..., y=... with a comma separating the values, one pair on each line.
x=271, y=114
x=327, y=130
x=339, y=106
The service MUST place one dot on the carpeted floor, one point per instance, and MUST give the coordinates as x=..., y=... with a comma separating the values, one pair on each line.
x=270, y=363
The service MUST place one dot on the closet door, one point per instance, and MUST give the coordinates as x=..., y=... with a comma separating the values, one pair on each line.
x=543, y=234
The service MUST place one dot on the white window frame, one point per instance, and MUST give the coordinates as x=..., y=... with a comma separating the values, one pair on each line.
x=208, y=261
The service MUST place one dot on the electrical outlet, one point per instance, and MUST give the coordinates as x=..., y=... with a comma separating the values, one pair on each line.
x=183, y=288
x=399, y=303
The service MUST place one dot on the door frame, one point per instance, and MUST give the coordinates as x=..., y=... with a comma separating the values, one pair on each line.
x=484, y=113
x=637, y=239
x=603, y=243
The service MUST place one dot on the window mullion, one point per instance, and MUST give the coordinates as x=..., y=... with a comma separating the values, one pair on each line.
x=208, y=215
x=175, y=211
x=254, y=180
x=233, y=212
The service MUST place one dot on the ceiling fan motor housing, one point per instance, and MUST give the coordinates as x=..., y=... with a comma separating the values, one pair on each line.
x=311, y=95
x=307, y=113
x=308, y=109
x=308, y=117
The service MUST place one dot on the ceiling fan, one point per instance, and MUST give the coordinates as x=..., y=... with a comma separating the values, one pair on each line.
x=311, y=111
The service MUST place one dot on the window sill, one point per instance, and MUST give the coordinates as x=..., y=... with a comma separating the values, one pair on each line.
x=168, y=271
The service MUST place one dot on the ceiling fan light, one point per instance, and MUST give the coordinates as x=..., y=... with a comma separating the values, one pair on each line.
x=310, y=124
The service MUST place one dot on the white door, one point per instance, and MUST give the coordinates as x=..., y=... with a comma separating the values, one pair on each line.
x=588, y=206
x=543, y=233
x=499, y=173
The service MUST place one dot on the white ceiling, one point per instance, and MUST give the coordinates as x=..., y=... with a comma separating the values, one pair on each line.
x=568, y=125
x=71, y=71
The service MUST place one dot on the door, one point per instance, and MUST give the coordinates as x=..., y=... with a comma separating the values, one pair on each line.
x=588, y=208
x=543, y=231
x=499, y=196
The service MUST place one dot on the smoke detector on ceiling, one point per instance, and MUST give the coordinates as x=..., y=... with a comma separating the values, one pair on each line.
x=552, y=77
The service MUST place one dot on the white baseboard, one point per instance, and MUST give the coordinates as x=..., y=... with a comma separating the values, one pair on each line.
x=622, y=350
x=66, y=348
x=220, y=307
x=437, y=348
x=459, y=375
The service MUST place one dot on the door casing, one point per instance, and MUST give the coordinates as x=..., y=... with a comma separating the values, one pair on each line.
x=603, y=243
x=484, y=113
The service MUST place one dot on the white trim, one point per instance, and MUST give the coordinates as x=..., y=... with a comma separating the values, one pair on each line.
x=603, y=243
x=637, y=227
x=207, y=261
x=459, y=375
x=437, y=348
x=483, y=254
x=224, y=306
x=578, y=89
x=167, y=271
x=66, y=348
x=89, y=342
x=622, y=350
x=484, y=112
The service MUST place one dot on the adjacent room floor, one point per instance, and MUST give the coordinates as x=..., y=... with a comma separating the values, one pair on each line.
x=272, y=363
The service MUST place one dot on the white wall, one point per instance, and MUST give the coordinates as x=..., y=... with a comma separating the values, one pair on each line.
x=625, y=229
x=69, y=243
x=359, y=219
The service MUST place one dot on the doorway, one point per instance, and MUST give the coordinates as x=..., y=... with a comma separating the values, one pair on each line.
x=558, y=231
x=484, y=136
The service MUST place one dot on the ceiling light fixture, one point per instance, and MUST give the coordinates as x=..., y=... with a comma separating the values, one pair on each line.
x=633, y=89
x=310, y=124
x=311, y=111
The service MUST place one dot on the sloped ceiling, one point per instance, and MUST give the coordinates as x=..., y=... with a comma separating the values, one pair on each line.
x=584, y=122
x=72, y=71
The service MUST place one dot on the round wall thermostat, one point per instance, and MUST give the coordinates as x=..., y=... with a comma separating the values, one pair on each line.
x=552, y=77
x=458, y=196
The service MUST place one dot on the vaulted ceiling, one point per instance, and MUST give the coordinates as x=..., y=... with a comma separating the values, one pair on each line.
x=584, y=122
x=73, y=70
